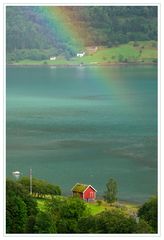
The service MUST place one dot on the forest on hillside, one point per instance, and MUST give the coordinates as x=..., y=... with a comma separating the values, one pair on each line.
x=29, y=36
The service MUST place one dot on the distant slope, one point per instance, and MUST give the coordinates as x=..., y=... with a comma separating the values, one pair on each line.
x=102, y=26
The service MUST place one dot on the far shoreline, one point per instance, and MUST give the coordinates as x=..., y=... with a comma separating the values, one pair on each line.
x=82, y=65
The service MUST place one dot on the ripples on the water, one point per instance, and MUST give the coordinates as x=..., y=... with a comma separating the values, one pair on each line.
x=75, y=127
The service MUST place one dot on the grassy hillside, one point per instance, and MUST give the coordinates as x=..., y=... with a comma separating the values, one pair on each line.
x=132, y=52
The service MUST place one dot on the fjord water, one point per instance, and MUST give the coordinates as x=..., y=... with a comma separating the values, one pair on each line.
x=84, y=124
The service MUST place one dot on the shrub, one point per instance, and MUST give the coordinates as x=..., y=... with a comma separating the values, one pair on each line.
x=149, y=212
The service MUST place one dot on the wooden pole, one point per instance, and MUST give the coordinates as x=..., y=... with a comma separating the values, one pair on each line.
x=31, y=181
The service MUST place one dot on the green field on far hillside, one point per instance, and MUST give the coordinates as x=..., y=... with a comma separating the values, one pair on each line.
x=133, y=52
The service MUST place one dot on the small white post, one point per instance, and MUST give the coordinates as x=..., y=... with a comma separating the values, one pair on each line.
x=31, y=181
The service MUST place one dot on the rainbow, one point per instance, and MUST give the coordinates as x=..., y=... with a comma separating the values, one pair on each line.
x=61, y=22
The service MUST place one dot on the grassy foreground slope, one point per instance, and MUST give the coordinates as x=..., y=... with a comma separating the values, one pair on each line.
x=132, y=52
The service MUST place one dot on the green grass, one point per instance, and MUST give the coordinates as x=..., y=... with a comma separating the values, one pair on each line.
x=41, y=204
x=29, y=62
x=141, y=51
x=148, y=54
x=113, y=53
x=127, y=208
x=94, y=208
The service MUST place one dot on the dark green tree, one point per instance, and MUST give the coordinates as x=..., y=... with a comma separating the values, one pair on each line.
x=113, y=221
x=16, y=214
x=44, y=223
x=67, y=213
x=111, y=193
x=143, y=227
x=20, y=208
x=87, y=224
x=149, y=212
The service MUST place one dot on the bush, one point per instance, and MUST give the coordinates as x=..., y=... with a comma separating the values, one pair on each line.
x=135, y=44
x=121, y=58
x=149, y=212
x=154, y=44
x=99, y=202
x=154, y=60
x=113, y=221
x=67, y=213
x=20, y=207
x=45, y=223
x=143, y=227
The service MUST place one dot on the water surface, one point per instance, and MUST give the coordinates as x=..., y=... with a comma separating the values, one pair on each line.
x=84, y=124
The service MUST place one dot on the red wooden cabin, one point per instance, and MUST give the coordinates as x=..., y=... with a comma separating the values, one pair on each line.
x=86, y=192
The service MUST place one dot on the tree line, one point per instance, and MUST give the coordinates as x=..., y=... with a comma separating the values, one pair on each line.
x=70, y=214
x=40, y=188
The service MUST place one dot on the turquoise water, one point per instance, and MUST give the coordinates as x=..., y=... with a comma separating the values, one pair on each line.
x=84, y=124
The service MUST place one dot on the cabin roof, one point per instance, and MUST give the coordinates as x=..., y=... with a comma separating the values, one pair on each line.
x=80, y=188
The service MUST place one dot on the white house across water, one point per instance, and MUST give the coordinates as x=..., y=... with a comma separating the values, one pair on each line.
x=80, y=54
